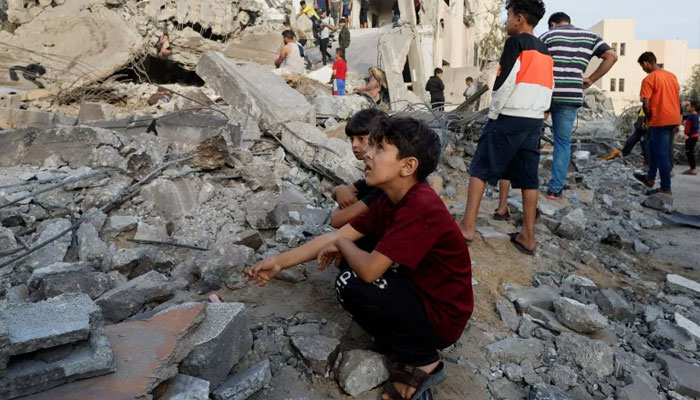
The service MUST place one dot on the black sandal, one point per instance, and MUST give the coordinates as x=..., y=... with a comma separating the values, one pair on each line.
x=413, y=377
x=519, y=246
x=501, y=217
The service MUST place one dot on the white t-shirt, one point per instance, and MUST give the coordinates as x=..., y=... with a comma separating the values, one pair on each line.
x=326, y=32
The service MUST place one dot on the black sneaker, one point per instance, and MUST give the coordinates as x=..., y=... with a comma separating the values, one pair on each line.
x=643, y=178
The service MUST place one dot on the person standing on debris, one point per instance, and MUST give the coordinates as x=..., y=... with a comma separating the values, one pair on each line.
x=661, y=102
x=356, y=198
x=327, y=26
x=312, y=15
x=425, y=303
x=692, y=126
x=572, y=49
x=291, y=58
x=340, y=70
x=436, y=88
x=469, y=92
x=508, y=148
x=344, y=36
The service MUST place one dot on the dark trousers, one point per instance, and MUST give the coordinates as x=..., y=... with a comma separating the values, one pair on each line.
x=690, y=151
x=324, y=51
x=391, y=310
x=638, y=136
x=659, y=151
x=437, y=103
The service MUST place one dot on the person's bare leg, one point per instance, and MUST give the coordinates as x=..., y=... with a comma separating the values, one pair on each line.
x=408, y=391
x=503, y=189
x=527, y=234
x=476, y=192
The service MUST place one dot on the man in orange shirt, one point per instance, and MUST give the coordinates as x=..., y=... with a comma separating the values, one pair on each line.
x=662, y=107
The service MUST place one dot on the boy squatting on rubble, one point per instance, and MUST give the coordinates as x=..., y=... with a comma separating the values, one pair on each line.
x=425, y=303
x=509, y=144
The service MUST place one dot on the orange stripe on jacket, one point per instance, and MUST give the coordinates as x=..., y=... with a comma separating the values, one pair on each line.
x=536, y=68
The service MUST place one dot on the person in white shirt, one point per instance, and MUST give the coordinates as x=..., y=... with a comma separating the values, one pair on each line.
x=327, y=24
x=291, y=58
x=469, y=92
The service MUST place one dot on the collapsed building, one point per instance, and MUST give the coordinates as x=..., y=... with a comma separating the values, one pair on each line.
x=133, y=187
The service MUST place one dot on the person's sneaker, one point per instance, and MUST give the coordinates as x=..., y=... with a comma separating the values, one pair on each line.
x=643, y=178
x=552, y=195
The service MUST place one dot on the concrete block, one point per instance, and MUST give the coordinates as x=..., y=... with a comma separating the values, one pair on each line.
x=318, y=351
x=679, y=284
x=185, y=387
x=125, y=301
x=90, y=111
x=361, y=371
x=242, y=385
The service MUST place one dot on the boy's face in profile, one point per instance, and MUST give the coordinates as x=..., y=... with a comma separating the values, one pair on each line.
x=359, y=145
x=382, y=163
x=513, y=22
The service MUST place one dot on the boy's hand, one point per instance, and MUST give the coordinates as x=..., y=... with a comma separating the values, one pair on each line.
x=262, y=272
x=327, y=255
x=345, y=196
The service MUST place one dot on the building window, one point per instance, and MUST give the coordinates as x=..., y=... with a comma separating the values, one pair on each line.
x=622, y=49
x=621, y=85
x=612, y=84
x=614, y=47
x=476, y=54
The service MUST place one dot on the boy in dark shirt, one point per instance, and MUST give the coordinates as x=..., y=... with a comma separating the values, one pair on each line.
x=437, y=90
x=692, y=125
x=356, y=198
x=425, y=303
x=344, y=36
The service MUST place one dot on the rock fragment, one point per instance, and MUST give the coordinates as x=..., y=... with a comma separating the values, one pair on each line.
x=242, y=385
x=361, y=371
x=578, y=316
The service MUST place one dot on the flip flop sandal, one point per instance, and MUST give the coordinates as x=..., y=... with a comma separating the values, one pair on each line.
x=519, y=246
x=688, y=173
x=501, y=217
x=414, y=377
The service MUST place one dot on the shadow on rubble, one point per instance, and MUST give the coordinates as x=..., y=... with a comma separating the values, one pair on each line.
x=159, y=71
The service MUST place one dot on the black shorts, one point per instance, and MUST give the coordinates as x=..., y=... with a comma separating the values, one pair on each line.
x=363, y=15
x=509, y=149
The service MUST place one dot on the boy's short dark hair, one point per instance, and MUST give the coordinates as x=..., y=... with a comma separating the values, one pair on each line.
x=413, y=138
x=647, y=56
x=365, y=122
x=469, y=79
x=288, y=33
x=437, y=71
x=342, y=21
x=533, y=10
x=302, y=2
x=695, y=104
x=558, y=18
x=340, y=52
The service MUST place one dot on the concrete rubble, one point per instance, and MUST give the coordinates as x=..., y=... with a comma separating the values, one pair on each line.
x=126, y=202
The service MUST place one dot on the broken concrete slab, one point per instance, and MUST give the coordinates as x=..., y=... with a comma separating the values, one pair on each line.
x=688, y=325
x=90, y=247
x=117, y=224
x=185, y=387
x=55, y=251
x=493, y=238
x=679, y=284
x=59, y=278
x=665, y=334
x=547, y=319
x=186, y=129
x=51, y=343
x=147, y=353
x=683, y=375
x=73, y=61
x=242, y=385
x=240, y=85
x=125, y=301
x=15, y=118
x=172, y=199
x=584, y=318
x=318, y=351
x=636, y=390
x=515, y=350
x=221, y=340
x=74, y=144
x=507, y=312
x=339, y=107
x=91, y=111
x=593, y=356
x=263, y=210
x=541, y=296
x=615, y=306
x=361, y=371
x=572, y=225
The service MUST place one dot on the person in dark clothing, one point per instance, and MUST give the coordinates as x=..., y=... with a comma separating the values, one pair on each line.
x=692, y=125
x=417, y=7
x=437, y=90
x=640, y=135
x=344, y=36
x=364, y=9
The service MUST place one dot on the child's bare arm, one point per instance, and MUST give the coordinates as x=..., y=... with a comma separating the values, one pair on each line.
x=262, y=272
x=342, y=216
x=368, y=266
x=345, y=195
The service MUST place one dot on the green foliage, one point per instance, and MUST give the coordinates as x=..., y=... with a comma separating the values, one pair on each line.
x=691, y=91
x=491, y=45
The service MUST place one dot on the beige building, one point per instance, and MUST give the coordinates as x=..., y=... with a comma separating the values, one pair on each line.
x=624, y=80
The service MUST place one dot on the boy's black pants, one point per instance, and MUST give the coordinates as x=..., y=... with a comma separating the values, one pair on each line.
x=690, y=151
x=391, y=310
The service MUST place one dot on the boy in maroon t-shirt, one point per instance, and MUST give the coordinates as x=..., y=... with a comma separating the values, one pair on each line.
x=425, y=303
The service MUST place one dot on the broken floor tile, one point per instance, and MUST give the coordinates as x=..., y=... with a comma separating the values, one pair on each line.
x=147, y=353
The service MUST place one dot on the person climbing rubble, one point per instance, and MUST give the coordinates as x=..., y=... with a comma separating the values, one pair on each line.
x=313, y=16
x=291, y=58
x=163, y=46
x=425, y=303
x=376, y=88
